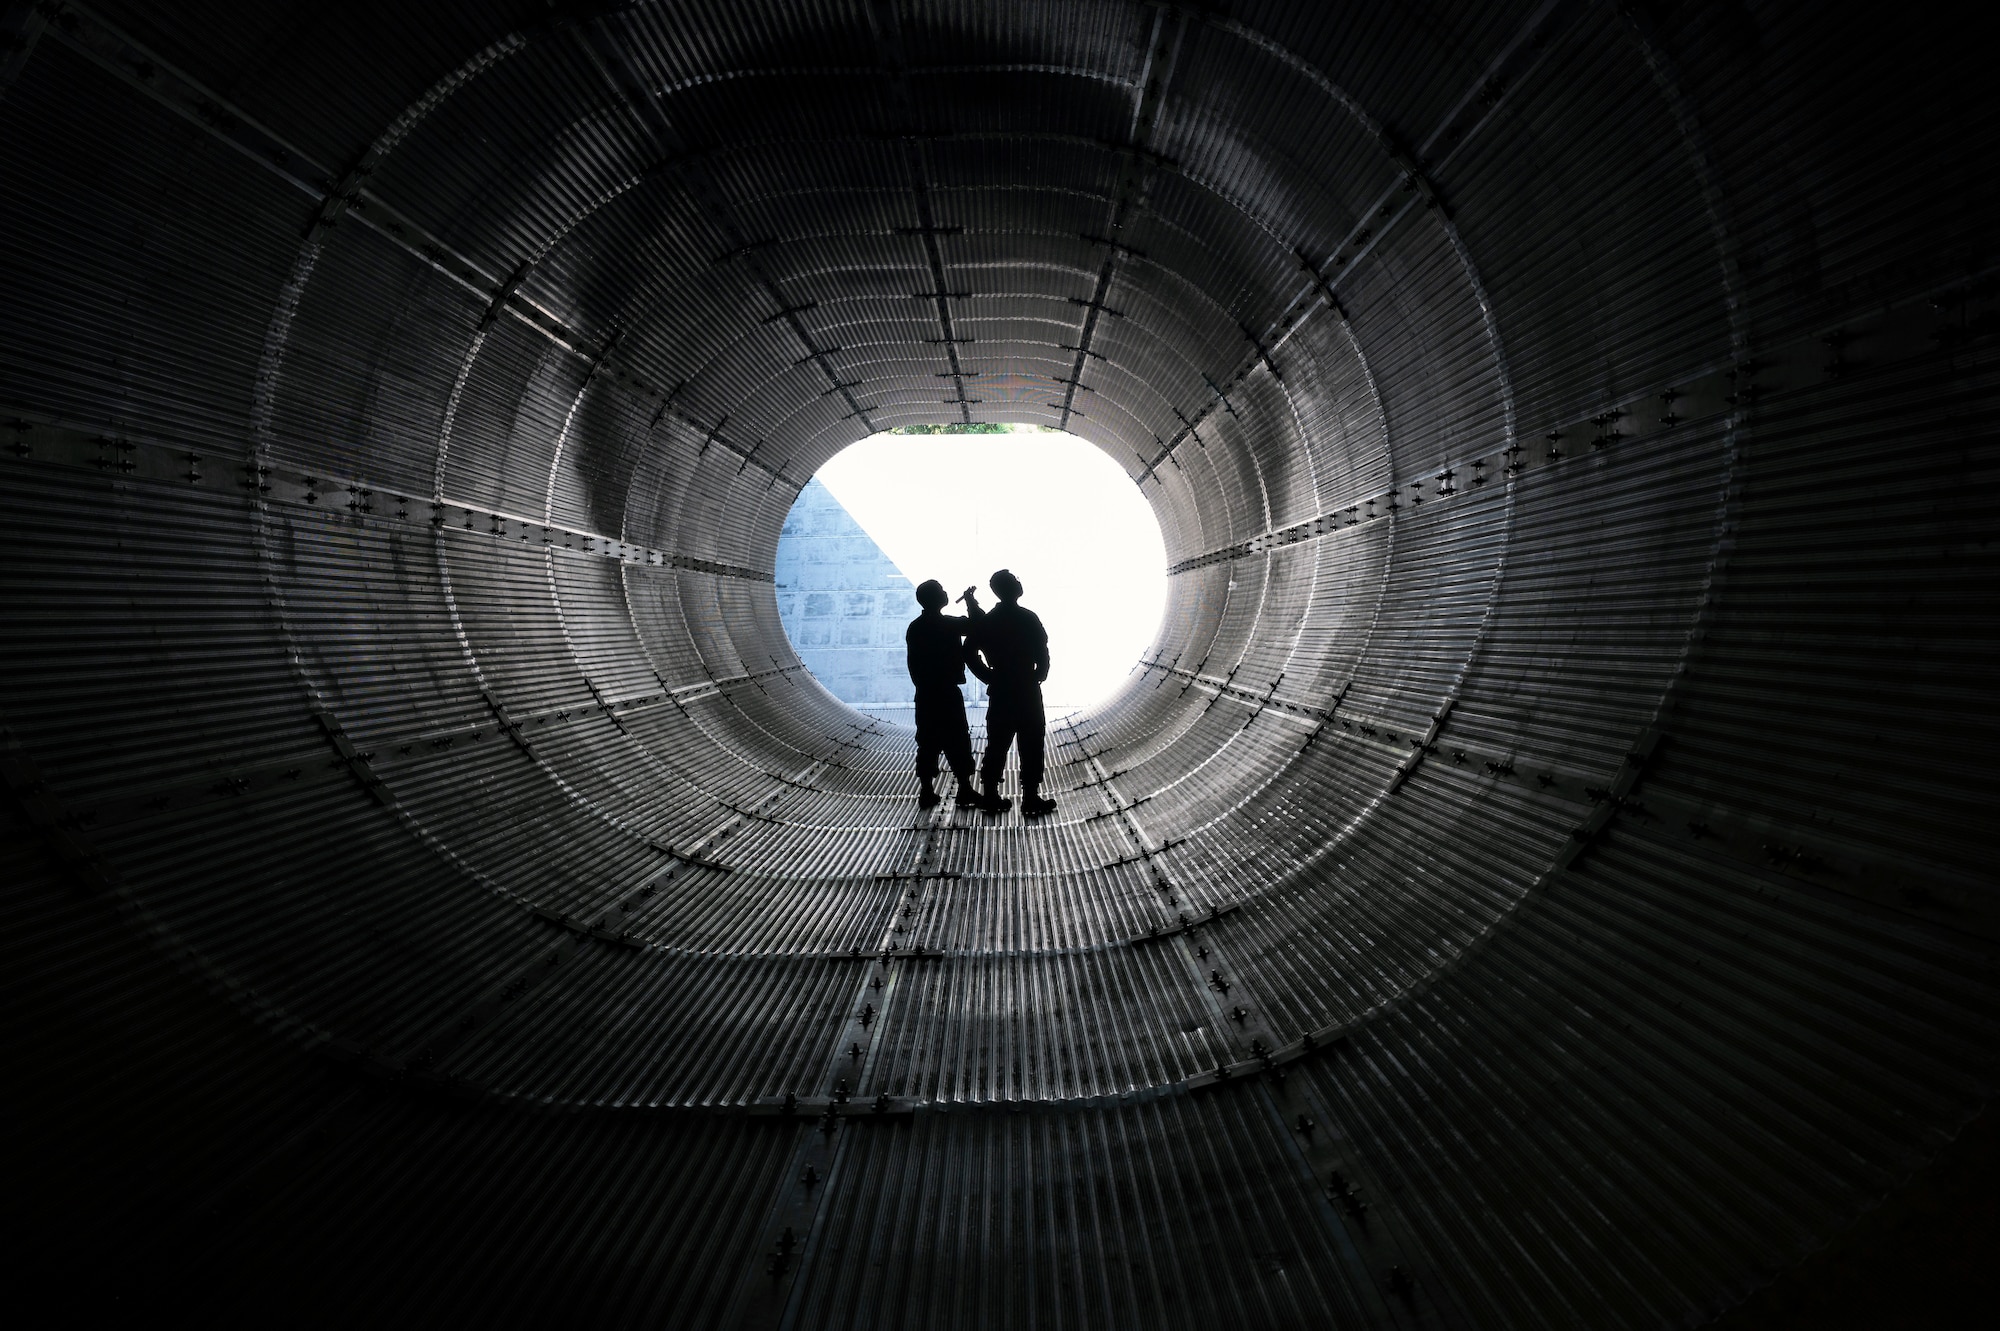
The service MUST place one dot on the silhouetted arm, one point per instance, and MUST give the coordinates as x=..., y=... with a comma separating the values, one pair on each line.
x=1041, y=653
x=980, y=670
x=969, y=622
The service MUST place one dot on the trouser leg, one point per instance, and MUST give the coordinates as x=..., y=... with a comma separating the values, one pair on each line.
x=958, y=749
x=999, y=736
x=1031, y=728
x=942, y=733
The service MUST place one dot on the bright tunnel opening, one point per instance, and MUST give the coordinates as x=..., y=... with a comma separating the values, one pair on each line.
x=897, y=508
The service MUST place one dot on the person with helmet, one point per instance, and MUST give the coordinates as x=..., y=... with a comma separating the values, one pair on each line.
x=936, y=657
x=1009, y=650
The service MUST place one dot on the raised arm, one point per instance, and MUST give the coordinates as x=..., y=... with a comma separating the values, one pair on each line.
x=980, y=670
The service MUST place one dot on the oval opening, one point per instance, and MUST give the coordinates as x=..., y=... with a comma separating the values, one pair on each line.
x=894, y=509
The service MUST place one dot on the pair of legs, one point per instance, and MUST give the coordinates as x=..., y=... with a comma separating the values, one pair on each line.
x=1014, y=719
x=942, y=733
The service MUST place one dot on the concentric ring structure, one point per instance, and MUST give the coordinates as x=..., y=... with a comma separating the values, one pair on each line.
x=1540, y=876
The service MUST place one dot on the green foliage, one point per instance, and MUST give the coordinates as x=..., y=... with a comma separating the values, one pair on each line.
x=976, y=428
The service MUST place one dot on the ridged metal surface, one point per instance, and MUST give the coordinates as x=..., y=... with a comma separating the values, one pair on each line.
x=1537, y=877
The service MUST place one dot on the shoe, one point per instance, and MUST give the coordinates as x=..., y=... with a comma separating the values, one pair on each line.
x=967, y=797
x=991, y=802
x=928, y=798
x=1034, y=806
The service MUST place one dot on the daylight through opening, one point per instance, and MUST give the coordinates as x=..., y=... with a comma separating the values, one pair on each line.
x=954, y=504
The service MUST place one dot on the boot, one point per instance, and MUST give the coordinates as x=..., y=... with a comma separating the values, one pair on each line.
x=927, y=796
x=967, y=797
x=991, y=802
x=1032, y=803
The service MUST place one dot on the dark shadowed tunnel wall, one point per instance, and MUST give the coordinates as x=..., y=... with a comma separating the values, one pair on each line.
x=1539, y=877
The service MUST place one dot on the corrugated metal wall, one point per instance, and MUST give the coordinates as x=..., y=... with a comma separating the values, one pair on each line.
x=1539, y=877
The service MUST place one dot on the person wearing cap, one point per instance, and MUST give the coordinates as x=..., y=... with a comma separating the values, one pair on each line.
x=936, y=657
x=1009, y=650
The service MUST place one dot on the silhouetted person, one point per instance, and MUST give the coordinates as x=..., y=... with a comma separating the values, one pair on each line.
x=936, y=654
x=1015, y=652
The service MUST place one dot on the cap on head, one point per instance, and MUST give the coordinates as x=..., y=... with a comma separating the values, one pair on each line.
x=1005, y=585
x=930, y=595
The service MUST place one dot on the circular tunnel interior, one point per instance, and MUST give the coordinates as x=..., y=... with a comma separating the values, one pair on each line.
x=1536, y=877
